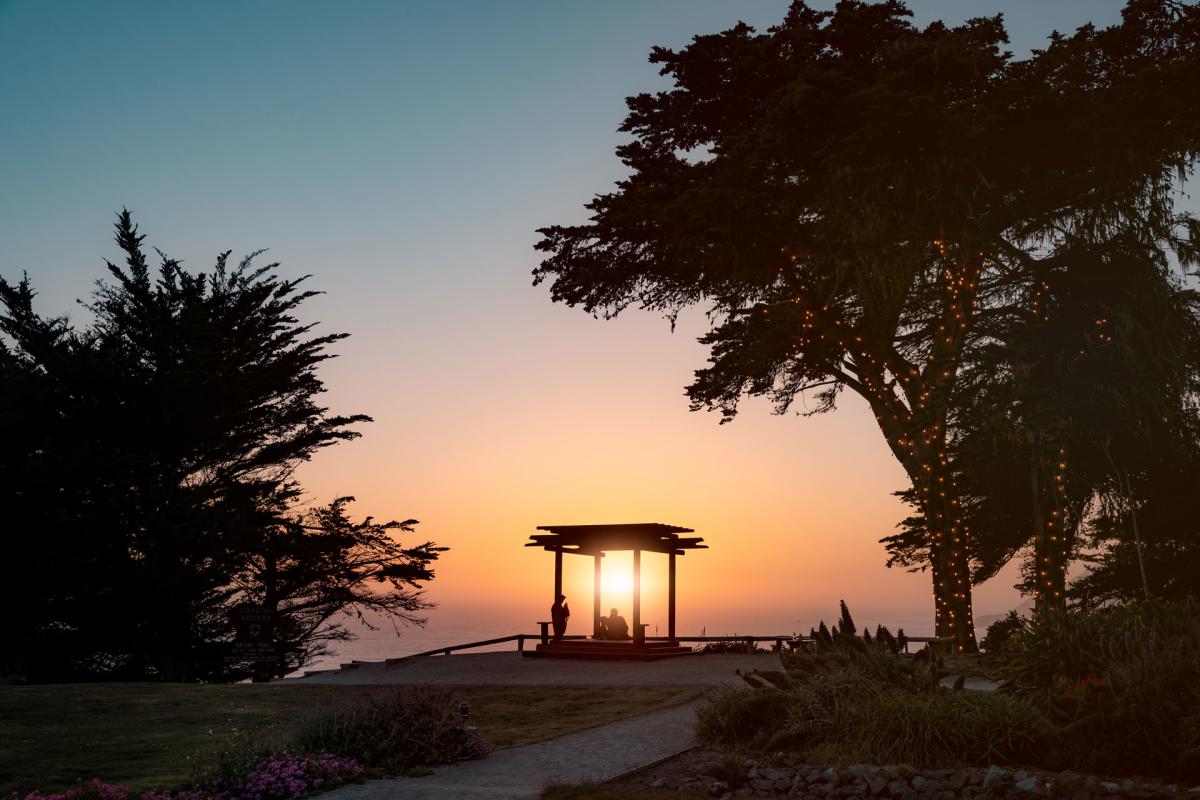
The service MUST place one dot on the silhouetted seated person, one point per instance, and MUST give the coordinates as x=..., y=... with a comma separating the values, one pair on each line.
x=614, y=626
x=559, y=613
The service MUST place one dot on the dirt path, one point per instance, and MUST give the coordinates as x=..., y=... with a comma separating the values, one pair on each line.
x=522, y=772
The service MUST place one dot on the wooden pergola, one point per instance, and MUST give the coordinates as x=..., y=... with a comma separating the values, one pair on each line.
x=595, y=541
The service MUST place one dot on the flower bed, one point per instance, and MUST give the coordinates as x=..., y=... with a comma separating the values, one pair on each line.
x=279, y=776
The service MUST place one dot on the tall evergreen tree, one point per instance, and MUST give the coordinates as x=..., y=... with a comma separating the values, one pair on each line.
x=1096, y=379
x=849, y=195
x=149, y=456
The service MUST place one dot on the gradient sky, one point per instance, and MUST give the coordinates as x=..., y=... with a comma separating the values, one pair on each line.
x=404, y=153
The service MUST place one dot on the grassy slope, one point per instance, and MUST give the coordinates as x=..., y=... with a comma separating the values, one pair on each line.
x=154, y=735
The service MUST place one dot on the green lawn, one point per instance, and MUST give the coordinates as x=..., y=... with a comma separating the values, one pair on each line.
x=154, y=735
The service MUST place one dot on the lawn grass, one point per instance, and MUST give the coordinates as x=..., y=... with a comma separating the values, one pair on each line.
x=156, y=735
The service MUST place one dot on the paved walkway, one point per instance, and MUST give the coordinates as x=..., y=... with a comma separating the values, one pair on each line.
x=522, y=772
x=514, y=669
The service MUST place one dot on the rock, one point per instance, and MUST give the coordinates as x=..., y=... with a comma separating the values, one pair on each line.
x=852, y=790
x=1066, y=783
x=1030, y=785
x=830, y=775
x=996, y=776
x=920, y=783
x=877, y=783
x=761, y=784
x=718, y=788
x=897, y=788
x=773, y=774
x=1110, y=786
x=863, y=772
x=956, y=780
x=753, y=773
x=658, y=784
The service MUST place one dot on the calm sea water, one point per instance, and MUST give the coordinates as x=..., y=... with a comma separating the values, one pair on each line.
x=450, y=625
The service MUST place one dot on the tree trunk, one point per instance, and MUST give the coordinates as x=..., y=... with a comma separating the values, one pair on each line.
x=949, y=560
x=1052, y=539
x=921, y=447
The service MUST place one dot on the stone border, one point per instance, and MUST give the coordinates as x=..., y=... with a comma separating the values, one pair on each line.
x=903, y=782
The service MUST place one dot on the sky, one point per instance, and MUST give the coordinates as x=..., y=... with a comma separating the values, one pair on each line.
x=404, y=155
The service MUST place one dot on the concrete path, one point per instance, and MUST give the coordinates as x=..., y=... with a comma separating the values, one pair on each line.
x=973, y=683
x=514, y=669
x=522, y=772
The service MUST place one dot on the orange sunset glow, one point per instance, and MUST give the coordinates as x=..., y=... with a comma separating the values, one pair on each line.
x=590, y=425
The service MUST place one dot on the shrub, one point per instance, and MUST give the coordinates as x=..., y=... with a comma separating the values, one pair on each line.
x=741, y=717
x=273, y=777
x=1000, y=633
x=1124, y=682
x=283, y=776
x=938, y=729
x=870, y=706
x=406, y=727
x=728, y=769
x=732, y=647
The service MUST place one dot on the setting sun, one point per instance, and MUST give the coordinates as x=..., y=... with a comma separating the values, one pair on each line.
x=617, y=581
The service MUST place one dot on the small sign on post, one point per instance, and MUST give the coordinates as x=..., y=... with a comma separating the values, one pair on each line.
x=254, y=638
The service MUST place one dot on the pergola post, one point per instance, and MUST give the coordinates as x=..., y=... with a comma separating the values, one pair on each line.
x=557, y=573
x=637, y=597
x=596, y=607
x=671, y=595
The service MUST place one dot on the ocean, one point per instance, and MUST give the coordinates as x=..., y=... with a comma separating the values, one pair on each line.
x=451, y=625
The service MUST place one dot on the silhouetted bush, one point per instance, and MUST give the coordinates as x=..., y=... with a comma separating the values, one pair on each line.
x=1001, y=632
x=943, y=728
x=408, y=726
x=871, y=706
x=731, y=647
x=1124, y=682
x=744, y=718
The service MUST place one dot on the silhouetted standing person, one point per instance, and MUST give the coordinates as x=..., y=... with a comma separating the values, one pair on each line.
x=559, y=613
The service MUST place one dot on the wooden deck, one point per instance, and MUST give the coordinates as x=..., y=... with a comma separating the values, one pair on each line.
x=609, y=650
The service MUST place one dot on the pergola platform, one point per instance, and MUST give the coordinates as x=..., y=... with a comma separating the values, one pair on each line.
x=595, y=541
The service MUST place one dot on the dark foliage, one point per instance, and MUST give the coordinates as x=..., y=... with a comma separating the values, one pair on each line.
x=147, y=477
x=1080, y=412
x=409, y=726
x=853, y=198
x=869, y=706
x=1002, y=633
x=844, y=636
x=1123, y=682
